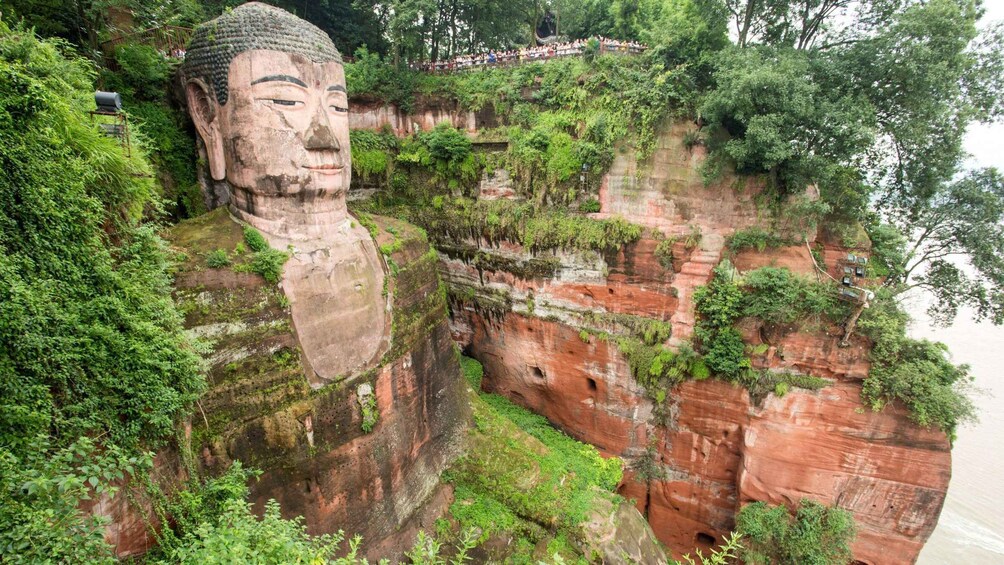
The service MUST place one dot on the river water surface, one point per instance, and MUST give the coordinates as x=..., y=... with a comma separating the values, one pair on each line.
x=971, y=529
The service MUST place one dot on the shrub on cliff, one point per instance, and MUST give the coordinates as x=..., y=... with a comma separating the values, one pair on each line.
x=916, y=372
x=777, y=296
x=445, y=152
x=815, y=534
x=718, y=305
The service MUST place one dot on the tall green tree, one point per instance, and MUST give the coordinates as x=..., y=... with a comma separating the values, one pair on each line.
x=956, y=248
x=888, y=93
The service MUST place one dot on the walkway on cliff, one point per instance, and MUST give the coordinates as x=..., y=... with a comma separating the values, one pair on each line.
x=530, y=54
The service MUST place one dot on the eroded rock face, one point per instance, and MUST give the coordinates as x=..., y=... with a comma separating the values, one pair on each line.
x=715, y=447
x=424, y=118
x=718, y=450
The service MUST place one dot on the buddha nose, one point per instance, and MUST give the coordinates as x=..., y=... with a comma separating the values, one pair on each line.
x=319, y=135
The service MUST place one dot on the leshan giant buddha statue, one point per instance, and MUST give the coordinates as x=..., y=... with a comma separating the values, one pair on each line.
x=266, y=91
x=358, y=440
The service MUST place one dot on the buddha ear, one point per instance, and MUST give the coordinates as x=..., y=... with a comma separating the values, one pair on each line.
x=204, y=110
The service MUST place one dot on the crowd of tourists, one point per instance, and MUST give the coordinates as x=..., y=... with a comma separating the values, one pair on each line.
x=529, y=54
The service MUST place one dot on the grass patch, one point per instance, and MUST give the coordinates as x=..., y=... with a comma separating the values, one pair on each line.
x=523, y=477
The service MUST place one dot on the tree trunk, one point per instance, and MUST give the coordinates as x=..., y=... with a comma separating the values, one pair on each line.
x=751, y=6
x=453, y=29
x=852, y=322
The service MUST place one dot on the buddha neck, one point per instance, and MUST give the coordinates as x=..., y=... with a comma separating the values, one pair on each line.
x=291, y=218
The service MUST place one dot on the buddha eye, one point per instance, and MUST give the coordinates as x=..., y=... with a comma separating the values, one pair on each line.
x=284, y=102
x=338, y=108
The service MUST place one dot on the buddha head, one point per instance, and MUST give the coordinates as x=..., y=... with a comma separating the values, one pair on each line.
x=266, y=91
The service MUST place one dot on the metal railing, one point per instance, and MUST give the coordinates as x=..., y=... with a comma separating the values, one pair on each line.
x=526, y=55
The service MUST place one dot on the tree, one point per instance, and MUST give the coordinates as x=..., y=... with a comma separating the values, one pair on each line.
x=581, y=19
x=790, y=23
x=779, y=119
x=962, y=221
x=810, y=98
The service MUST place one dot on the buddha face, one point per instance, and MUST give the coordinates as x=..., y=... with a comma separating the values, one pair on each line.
x=284, y=131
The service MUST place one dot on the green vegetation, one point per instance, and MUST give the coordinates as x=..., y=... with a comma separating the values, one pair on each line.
x=454, y=221
x=815, y=534
x=372, y=155
x=521, y=476
x=41, y=490
x=962, y=218
x=265, y=261
x=755, y=238
x=658, y=369
x=772, y=295
x=473, y=371
x=575, y=115
x=370, y=413
x=445, y=155
x=851, y=105
x=917, y=373
x=664, y=252
x=869, y=104
x=255, y=240
x=142, y=77
x=268, y=264
x=724, y=555
x=91, y=345
x=718, y=304
x=217, y=259
x=779, y=297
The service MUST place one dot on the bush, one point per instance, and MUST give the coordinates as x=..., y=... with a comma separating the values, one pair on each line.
x=590, y=206
x=664, y=252
x=915, y=372
x=725, y=354
x=445, y=153
x=268, y=264
x=255, y=240
x=40, y=497
x=217, y=259
x=754, y=238
x=815, y=534
x=238, y=536
x=776, y=296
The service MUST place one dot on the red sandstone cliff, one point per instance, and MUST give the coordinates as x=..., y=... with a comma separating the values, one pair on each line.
x=717, y=448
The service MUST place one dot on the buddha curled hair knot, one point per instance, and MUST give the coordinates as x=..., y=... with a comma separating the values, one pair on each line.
x=247, y=27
